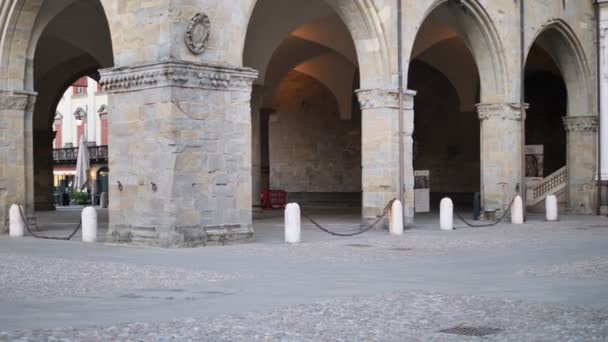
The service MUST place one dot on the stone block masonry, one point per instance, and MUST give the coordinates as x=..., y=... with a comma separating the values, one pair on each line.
x=193, y=127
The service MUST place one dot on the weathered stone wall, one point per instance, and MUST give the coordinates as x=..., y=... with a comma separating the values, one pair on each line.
x=311, y=149
x=185, y=178
x=582, y=165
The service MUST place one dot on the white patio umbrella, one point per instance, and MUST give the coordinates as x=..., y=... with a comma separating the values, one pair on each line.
x=83, y=164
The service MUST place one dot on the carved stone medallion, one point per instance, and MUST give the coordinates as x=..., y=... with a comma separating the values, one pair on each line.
x=197, y=33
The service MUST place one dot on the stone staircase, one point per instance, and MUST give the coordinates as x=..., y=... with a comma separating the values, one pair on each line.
x=554, y=184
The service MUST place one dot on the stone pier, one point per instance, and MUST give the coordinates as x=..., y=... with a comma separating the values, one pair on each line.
x=380, y=151
x=501, y=153
x=185, y=179
x=581, y=161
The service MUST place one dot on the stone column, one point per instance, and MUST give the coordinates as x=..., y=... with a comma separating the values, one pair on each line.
x=43, y=169
x=581, y=161
x=16, y=154
x=501, y=153
x=380, y=151
x=603, y=74
x=256, y=147
x=181, y=153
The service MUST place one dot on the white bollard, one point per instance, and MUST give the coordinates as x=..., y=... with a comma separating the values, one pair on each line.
x=293, y=225
x=517, y=211
x=446, y=214
x=89, y=224
x=551, y=208
x=16, y=226
x=396, y=218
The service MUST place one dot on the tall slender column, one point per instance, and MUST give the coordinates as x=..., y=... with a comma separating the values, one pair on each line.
x=582, y=142
x=256, y=147
x=603, y=75
x=380, y=151
x=16, y=154
x=501, y=153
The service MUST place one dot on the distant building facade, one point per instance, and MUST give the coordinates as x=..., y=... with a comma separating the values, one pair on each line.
x=82, y=113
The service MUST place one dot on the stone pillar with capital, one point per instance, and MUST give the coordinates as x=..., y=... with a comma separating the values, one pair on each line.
x=501, y=153
x=16, y=154
x=380, y=151
x=180, y=132
x=181, y=153
x=581, y=162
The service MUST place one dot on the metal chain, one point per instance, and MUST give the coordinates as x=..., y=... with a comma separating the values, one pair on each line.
x=387, y=208
x=488, y=224
x=27, y=227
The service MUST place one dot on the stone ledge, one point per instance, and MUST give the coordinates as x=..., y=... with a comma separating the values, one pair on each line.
x=385, y=98
x=177, y=74
x=501, y=111
x=580, y=123
x=17, y=100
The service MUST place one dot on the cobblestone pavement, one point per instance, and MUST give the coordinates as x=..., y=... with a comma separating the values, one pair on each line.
x=391, y=317
x=28, y=277
x=537, y=282
x=595, y=269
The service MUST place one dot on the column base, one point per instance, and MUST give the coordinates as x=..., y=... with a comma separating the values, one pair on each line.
x=183, y=237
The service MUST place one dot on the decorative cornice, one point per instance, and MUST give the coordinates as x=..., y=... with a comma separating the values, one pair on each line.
x=385, y=98
x=177, y=74
x=18, y=101
x=501, y=111
x=580, y=123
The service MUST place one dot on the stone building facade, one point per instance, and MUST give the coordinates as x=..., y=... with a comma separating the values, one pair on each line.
x=205, y=96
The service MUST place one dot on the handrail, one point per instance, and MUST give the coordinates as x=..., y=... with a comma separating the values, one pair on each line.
x=549, y=185
x=71, y=153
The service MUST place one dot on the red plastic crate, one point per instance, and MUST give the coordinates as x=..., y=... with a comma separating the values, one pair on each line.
x=274, y=199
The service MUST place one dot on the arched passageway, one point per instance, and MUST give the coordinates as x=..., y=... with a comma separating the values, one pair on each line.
x=560, y=127
x=310, y=136
x=444, y=73
x=305, y=100
x=57, y=43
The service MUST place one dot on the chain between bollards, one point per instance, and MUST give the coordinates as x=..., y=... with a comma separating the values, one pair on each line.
x=387, y=208
x=46, y=237
x=504, y=215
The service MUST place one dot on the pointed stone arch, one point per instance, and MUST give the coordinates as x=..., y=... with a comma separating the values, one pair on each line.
x=22, y=23
x=368, y=32
x=562, y=45
x=478, y=31
x=558, y=39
